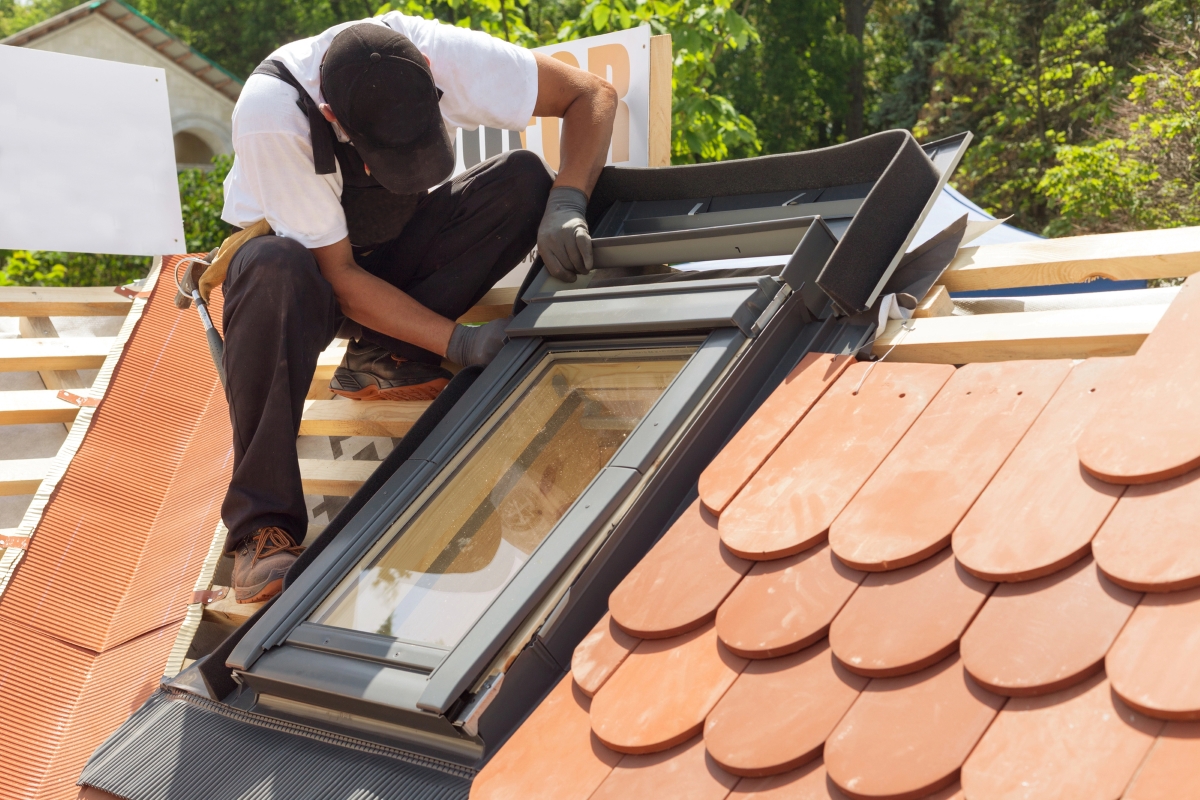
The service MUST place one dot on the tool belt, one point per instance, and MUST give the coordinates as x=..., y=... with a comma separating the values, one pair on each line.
x=208, y=274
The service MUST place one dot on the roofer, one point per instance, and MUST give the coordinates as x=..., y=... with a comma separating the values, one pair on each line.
x=338, y=139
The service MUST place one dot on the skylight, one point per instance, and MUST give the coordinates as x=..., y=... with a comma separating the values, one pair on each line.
x=437, y=570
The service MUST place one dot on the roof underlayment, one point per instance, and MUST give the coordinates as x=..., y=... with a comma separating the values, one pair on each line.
x=905, y=581
x=88, y=620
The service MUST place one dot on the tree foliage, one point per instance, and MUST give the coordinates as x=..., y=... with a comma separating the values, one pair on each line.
x=1086, y=112
x=1142, y=168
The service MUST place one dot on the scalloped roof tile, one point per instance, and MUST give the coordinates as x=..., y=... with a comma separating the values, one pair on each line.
x=1067, y=684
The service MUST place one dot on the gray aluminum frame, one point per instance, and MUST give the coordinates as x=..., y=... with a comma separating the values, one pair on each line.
x=377, y=677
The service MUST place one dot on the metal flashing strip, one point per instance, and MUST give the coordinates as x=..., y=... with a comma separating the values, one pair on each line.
x=195, y=610
x=153, y=754
x=646, y=314
x=945, y=155
x=745, y=240
x=365, y=645
x=11, y=556
x=699, y=284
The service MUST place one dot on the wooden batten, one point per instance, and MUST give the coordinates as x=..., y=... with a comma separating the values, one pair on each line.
x=350, y=418
x=662, y=64
x=37, y=355
x=62, y=301
x=337, y=478
x=1068, y=333
x=35, y=406
x=1136, y=255
x=22, y=475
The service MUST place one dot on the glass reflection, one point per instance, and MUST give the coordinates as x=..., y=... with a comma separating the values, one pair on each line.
x=430, y=578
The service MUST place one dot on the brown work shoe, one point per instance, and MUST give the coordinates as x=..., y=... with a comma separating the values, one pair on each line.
x=260, y=562
x=369, y=372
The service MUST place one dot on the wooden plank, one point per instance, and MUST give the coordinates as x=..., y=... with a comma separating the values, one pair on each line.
x=22, y=475
x=358, y=418
x=229, y=611
x=936, y=304
x=328, y=361
x=62, y=301
x=35, y=355
x=340, y=478
x=1071, y=333
x=662, y=63
x=36, y=406
x=1170, y=253
x=43, y=328
x=496, y=304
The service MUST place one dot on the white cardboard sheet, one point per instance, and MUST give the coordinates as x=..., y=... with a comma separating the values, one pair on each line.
x=87, y=161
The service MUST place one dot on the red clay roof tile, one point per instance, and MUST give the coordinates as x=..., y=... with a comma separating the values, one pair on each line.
x=680, y=583
x=1169, y=770
x=90, y=615
x=785, y=605
x=553, y=754
x=597, y=657
x=907, y=737
x=1153, y=663
x=1046, y=630
x=779, y=712
x=809, y=782
x=1146, y=430
x=788, y=506
x=1046, y=634
x=1149, y=542
x=902, y=621
x=1040, y=510
x=772, y=422
x=660, y=695
x=911, y=505
x=1080, y=742
x=685, y=772
x=153, y=468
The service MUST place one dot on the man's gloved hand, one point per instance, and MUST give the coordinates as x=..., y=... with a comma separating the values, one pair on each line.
x=477, y=345
x=563, y=239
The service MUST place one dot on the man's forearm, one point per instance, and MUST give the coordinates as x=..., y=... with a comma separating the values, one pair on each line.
x=376, y=304
x=586, y=133
x=588, y=106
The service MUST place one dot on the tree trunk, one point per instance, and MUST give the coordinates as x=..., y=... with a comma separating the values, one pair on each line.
x=855, y=12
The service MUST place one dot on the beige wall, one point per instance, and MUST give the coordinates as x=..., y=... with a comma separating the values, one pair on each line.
x=196, y=107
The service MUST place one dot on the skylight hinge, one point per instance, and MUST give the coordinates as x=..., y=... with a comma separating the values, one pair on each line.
x=768, y=313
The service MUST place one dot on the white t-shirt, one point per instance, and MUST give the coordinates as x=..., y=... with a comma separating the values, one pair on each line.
x=485, y=82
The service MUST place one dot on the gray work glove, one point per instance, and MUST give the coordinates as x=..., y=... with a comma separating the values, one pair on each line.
x=471, y=345
x=563, y=239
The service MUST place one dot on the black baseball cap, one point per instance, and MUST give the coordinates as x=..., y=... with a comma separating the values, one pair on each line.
x=381, y=90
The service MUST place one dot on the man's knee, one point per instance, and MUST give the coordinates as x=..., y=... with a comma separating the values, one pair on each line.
x=272, y=258
x=527, y=177
x=274, y=270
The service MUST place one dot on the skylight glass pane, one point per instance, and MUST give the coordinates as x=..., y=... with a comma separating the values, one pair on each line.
x=434, y=574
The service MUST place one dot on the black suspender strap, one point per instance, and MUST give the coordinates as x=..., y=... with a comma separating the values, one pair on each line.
x=322, y=131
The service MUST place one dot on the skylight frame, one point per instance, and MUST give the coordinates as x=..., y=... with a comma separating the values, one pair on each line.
x=288, y=656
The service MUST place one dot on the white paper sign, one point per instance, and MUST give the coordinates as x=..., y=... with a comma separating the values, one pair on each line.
x=87, y=160
x=623, y=59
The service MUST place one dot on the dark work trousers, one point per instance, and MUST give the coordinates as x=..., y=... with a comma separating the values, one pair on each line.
x=280, y=313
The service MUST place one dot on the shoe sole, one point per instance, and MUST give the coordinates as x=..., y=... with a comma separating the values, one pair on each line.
x=269, y=590
x=418, y=391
